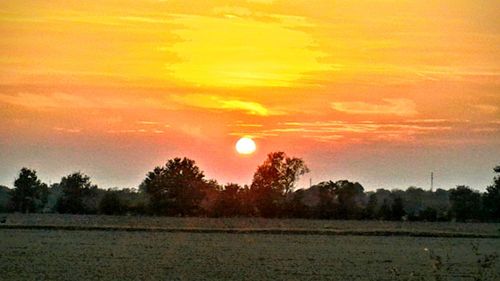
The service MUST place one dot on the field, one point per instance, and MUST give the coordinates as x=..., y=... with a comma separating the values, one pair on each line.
x=101, y=254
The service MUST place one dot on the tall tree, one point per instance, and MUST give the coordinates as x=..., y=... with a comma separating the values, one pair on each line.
x=29, y=194
x=274, y=179
x=176, y=188
x=385, y=211
x=491, y=199
x=370, y=211
x=327, y=204
x=78, y=195
x=465, y=203
x=296, y=207
x=397, y=209
x=5, y=199
x=279, y=172
x=349, y=196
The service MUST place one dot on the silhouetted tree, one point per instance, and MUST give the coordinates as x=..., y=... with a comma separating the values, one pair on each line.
x=5, y=199
x=465, y=203
x=228, y=202
x=211, y=194
x=370, y=211
x=327, y=205
x=78, y=195
x=112, y=204
x=397, y=209
x=175, y=189
x=440, y=200
x=274, y=179
x=428, y=214
x=491, y=198
x=279, y=172
x=246, y=197
x=55, y=193
x=296, y=207
x=29, y=194
x=414, y=199
x=122, y=201
x=179, y=188
x=385, y=211
x=349, y=196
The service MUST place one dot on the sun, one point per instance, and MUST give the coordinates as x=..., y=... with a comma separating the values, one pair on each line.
x=245, y=145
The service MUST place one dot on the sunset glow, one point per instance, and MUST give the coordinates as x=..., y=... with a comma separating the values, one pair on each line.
x=380, y=92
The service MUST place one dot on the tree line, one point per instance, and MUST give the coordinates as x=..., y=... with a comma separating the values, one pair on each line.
x=179, y=188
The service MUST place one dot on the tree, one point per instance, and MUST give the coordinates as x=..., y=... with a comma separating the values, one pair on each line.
x=491, y=198
x=349, y=196
x=175, y=189
x=428, y=214
x=29, y=194
x=116, y=201
x=274, y=179
x=465, y=203
x=397, y=209
x=228, y=202
x=385, y=211
x=327, y=205
x=111, y=204
x=5, y=199
x=78, y=195
x=55, y=193
x=296, y=207
x=414, y=199
x=370, y=211
x=279, y=172
x=247, y=206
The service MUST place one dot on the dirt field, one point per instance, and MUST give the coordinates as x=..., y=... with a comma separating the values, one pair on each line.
x=31, y=254
x=249, y=223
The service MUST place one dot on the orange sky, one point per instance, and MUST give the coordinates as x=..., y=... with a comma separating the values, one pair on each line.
x=380, y=92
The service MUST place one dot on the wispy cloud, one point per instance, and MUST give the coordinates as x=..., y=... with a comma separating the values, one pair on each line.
x=46, y=101
x=67, y=130
x=486, y=108
x=400, y=107
x=261, y=1
x=136, y=131
x=278, y=55
x=222, y=103
x=57, y=100
x=143, y=122
x=333, y=131
x=246, y=125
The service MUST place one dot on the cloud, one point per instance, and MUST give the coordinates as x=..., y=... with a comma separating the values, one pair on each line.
x=63, y=100
x=241, y=124
x=400, y=107
x=238, y=50
x=67, y=130
x=334, y=131
x=254, y=135
x=46, y=101
x=486, y=108
x=136, y=131
x=261, y=1
x=221, y=103
x=145, y=122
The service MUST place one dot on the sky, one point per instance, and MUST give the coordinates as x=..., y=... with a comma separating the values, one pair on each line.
x=380, y=92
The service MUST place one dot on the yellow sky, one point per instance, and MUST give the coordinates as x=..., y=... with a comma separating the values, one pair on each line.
x=315, y=78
